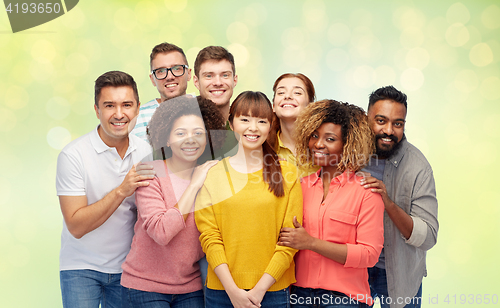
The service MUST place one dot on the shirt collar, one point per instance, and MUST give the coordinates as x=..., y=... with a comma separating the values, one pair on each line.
x=280, y=143
x=342, y=179
x=97, y=143
x=100, y=146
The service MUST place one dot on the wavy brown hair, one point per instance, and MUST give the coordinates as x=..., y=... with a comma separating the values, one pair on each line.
x=356, y=133
x=256, y=104
x=311, y=96
x=160, y=125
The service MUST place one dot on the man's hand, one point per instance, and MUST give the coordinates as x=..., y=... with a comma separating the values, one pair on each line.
x=134, y=179
x=297, y=237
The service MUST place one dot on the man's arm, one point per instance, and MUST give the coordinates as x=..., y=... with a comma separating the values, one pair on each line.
x=82, y=218
x=420, y=227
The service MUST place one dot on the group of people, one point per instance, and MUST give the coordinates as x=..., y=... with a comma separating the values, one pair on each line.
x=200, y=201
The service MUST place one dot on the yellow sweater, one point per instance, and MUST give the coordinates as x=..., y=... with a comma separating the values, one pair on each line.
x=240, y=220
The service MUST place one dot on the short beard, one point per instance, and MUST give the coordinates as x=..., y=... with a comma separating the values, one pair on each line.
x=381, y=153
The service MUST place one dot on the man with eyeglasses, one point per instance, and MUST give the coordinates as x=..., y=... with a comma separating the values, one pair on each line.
x=169, y=74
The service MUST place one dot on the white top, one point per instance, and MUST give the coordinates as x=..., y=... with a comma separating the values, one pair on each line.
x=88, y=167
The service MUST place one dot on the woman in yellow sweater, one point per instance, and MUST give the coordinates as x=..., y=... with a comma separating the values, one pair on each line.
x=245, y=201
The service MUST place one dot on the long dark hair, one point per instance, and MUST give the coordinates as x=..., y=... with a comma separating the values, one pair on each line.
x=256, y=104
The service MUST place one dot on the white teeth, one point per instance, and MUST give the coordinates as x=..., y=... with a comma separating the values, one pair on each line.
x=252, y=137
x=386, y=139
x=288, y=106
x=322, y=154
x=171, y=85
x=189, y=150
x=118, y=124
x=217, y=92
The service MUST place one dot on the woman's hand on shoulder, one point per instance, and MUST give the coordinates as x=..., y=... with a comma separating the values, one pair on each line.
x=200, y=173
x=297, y=237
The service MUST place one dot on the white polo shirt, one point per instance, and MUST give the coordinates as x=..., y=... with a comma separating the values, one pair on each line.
x=88, y=167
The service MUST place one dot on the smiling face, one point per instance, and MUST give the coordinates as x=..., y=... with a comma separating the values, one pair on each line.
x=117, y=110
x=326, y=145
x=251, y=132
x=387, y=121
x=187, y=139
x=216, y=81
x=171, y=86
x=290, y=98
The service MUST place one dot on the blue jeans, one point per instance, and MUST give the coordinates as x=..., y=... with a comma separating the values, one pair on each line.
x=88, y=288
x=321, y=298
x=378, y=287
x=272, y=299
x=136, y=298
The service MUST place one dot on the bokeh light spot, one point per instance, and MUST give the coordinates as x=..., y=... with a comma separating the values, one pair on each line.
x=466, y=81
x=77, y=64
x=173, y=33
x=42, y=72
x=364, y=76
x=58, y=137
x=417, y=58
x=412, y=79
x=125, y=19
x=385, y=75
x=491, y=17
x=240, y=54
x=8, y=120
x=74, y=19
x=457, y=12
x=43, y=51
x=16, y=97
x=457, y=35
x=412, y=37
x=444, y=56
x=481, y=55
x=237, y=32
x=294, y=38
x=339, y=34
x=315, y=18
x=337, y=59
x=405, y=17
x=490, y=88
x=58, y=108
x=176, y=6
x=457, y=133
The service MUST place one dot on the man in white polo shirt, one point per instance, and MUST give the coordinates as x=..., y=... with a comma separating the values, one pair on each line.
x=96, y=180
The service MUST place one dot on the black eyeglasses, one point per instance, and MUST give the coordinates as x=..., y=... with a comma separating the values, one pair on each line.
x=162, y=73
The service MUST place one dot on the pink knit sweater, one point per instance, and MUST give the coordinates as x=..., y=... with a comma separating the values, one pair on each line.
x=165, y=249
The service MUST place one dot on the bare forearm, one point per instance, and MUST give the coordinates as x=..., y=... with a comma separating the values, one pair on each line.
x=400, y=218
x=91, y=217
x=186, y=201
x=333, y=251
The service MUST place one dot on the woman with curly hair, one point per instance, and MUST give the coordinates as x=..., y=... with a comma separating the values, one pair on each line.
x=162, y=268
x=292, y=94
x=343, y=228
x=240, y=210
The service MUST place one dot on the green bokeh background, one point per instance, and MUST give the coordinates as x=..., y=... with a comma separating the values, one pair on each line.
x=443, y=54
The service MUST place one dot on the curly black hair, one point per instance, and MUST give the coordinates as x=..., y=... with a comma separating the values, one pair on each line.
x=160, y=125
x=356, y=133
